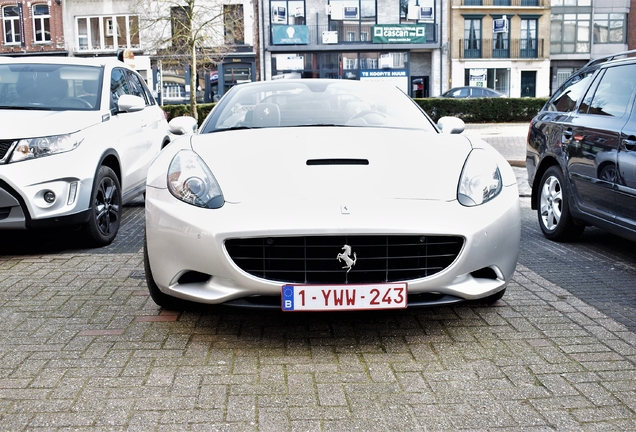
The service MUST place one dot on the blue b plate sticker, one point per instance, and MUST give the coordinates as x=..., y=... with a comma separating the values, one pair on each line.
x=288, y=298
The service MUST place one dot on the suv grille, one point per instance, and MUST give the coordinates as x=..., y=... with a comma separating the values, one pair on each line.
x=5, y=145
x=313, y=260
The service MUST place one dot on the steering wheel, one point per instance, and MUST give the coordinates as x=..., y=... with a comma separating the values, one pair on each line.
x=368, y=116
x=71, y=102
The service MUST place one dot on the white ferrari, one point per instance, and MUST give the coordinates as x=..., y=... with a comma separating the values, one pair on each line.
x=323, y=195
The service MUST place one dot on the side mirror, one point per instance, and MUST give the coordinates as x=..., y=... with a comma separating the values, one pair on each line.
x=451, y=125
x=184, y=125
x=130, y=103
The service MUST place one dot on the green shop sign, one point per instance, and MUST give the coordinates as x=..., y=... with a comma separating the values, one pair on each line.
x=399, y=33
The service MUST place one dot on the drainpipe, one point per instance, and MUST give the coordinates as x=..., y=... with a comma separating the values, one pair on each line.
x=261, y=45
x=441, y=45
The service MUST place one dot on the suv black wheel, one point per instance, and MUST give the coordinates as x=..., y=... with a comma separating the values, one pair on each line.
x=106, y=207
x=553, y=208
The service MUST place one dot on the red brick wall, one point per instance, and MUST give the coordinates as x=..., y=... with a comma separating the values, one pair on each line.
x=56, y=45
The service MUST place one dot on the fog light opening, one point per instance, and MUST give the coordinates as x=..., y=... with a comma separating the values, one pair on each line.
x=49, y=197
x=193, y=277
x=72, y=193
x=485, y=273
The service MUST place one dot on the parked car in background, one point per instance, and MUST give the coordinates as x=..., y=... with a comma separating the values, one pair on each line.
x=581, y=152
x=315, y=194
x=472, y=92
x=76, y=141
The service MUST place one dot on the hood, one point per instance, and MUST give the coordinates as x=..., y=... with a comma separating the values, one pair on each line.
x=17, y=124
x=334, y=162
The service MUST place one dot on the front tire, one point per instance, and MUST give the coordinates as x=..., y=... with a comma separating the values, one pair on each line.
x=106, y=207
x=553, y=208
x=493, y=298
x=164, y=300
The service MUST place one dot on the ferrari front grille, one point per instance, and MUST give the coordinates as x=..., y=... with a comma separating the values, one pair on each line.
x=344, y=259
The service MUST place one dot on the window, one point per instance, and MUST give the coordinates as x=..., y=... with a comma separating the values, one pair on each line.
x=107, y=32
x=501, y=39
x=354, y=17
x=528, y=42
x=11, y=25
x=613, y=93
x=570, y=33
x=571, y=2
x=562, y=75
x=233, y=24
x=41, y=23
x=417, y=11
x=287, y=12
x=564, y=100
x=342, y=64
x=125, y=82
x=472, y=37
x=111, y=27
x=609, y=28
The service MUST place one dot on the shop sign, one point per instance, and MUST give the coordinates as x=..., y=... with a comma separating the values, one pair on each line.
x=478, y=77
x=399, y=33
x=290, y=35
x=394, y=77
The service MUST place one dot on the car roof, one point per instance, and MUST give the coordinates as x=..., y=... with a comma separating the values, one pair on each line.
x=619, y=56
x=77, y=61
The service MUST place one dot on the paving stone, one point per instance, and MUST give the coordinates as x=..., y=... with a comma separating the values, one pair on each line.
x=83, y=347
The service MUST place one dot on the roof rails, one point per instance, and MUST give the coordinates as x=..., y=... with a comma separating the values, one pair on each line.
x=609, y=57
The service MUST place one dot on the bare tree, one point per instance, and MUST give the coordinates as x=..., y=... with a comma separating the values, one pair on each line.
x=190, y=32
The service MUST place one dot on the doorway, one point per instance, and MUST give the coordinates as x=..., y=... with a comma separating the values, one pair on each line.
x=528, y=83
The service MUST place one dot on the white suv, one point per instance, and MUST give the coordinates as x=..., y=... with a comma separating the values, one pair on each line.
x=76, y=141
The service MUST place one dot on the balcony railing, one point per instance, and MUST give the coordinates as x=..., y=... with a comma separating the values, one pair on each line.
x=496, y=3
x=493, y=48
x=352, y=34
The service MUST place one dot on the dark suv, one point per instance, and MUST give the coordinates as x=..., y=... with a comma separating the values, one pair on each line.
x=581, y=153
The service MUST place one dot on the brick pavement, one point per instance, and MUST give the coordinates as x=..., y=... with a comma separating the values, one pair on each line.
x=83, y=347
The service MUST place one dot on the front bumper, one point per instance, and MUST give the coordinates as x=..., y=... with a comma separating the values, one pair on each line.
x=183, y=240
x=24, y=186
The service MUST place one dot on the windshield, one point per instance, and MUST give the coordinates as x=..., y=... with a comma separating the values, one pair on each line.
x=50, y=86
x=316, y=102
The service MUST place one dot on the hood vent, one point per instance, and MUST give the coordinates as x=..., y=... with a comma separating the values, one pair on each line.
x=337, y=162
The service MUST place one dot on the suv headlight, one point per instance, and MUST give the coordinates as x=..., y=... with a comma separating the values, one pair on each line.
x=32, y=148
x=480, y=180
x=191, y=181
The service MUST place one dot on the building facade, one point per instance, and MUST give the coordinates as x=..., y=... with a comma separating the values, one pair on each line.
x=582, y=30
x=501, y=44
x=383, y=40
x=32, y=28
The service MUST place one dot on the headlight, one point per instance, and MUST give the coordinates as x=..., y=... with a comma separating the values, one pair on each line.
x=480, y=180
x=191, y=181
x=45, y=146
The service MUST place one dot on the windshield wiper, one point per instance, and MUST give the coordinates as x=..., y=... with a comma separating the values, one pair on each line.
x=232, y=129
x=27, y=108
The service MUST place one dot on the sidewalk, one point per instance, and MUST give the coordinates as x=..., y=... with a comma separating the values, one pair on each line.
x=510, y=140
